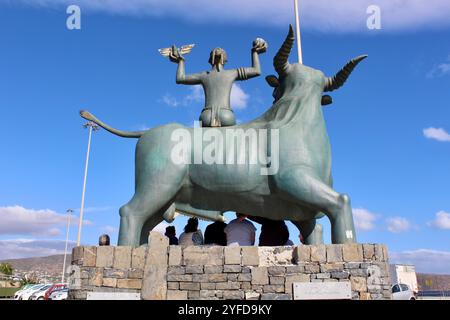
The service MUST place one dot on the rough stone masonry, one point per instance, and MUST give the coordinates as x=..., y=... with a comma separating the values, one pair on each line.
x=159, y=271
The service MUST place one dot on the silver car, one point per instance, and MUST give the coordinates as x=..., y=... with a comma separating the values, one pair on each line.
x=401, y=291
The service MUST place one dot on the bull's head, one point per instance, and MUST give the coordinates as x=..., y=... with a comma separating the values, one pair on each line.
x=304, y=73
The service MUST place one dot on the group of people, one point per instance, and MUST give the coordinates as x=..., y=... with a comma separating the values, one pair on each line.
x=239, y=231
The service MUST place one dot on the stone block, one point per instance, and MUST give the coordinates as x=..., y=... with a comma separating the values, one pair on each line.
x=89, y=256
x=135, y=273
x=233, y=295
x=189, y=286
x=97, y=277
x=179, y=277
x=352, y=265
x=364, y=296
x=312, y=268
x=195, y=255
x=77, y=254
x=276, y=296
x=250, y=256
x=246, y=285
x=331, y=267
x=233, y=255
x=207, y=286
x=110, y=282
x=252, y=296
x=340, y=275
x=232, y=276
x=378, y=254
x=157, y=251
x=105, y=257
x=219, y=277
x=260, y=276
x=213, y=269
x=154, y=285
x=385, y=253
x=274, y=288
x=302, y=253
x=194, y=269
x=276, y=270
x=353, y=252
x=193, y=295
x=295, y=269
x=138, y=257
x=122, y=258
x=129, y=283
x=276, y=280
x=177, y=295
x=175, y=256
x=318, y=253
x=115, y=273
x=232, y=268
x=334, y=253
x=275, y=256
x=173, y=286
x=368, y=251
x=197, y=277
x=290, y=279
x=359, y=284
x=324, y=275
x=176, y=270
x=229, y=285
x=246, y=269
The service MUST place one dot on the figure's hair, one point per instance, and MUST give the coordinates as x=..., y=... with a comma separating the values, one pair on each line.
x=192, y=225
x=170, y=230
x=223, y=56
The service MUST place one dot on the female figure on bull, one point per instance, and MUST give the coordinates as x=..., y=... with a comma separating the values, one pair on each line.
x=218, y=82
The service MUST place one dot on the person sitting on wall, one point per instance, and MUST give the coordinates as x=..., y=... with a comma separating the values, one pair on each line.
x=273, y=232
x=191, y=236
x=240, y=231
x=215, y=234
x=172, y=235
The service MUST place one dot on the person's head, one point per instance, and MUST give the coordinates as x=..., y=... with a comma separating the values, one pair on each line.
x=218, y=57
x=170, y=231
x=192, y=225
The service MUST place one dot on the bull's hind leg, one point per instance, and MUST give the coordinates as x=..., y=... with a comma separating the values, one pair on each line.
x=312, y=192
x=311, y=231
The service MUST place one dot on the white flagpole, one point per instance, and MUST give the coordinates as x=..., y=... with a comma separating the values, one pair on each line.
x=297, y=27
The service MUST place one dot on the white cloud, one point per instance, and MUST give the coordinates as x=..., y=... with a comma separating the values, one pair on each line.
x=322, y=15
x=17, y=220
x=238, y=99
x=425, y=260
x=109, y=230
x=364, y=219
x=442, y=221
x=438, y=134
x=28, y=248
x=398, y=224
x=440, y=70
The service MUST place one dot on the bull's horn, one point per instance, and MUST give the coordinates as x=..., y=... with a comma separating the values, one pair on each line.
x=280, y=62
x=337, y=81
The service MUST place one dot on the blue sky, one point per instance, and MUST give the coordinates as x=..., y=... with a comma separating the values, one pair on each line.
x=389, y=125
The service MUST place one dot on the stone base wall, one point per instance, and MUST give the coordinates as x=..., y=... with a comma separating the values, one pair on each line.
x=160, y=271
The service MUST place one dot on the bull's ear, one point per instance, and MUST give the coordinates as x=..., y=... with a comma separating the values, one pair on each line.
x=273, y=81
x=326, y=100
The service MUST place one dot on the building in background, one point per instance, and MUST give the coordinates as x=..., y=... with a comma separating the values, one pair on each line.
x=406, y=274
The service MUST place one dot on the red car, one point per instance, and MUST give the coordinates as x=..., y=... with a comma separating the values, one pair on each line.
x=53, y=288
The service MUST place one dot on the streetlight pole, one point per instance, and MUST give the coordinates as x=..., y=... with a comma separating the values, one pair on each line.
x=92, y=127
x=297, y=26
x=69, y=211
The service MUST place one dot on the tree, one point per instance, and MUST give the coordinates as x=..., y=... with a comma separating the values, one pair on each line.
x=6, y=269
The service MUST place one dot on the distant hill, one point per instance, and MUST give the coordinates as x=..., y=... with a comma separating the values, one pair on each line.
x=51, y=265
x=433, y=282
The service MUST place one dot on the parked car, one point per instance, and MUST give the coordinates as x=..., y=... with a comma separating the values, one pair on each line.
x=40, y=293
x=401, y=291
x=59, y=294
x=25, y=289
x=29, y=292
x=54, y=288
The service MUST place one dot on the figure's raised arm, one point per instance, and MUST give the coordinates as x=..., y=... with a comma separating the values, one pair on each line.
x=182, y=78
x=259, y=46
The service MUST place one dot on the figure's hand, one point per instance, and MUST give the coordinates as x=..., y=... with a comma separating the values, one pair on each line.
x=175, y=55
x=259, y=45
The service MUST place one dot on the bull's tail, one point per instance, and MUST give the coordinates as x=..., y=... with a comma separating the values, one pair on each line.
x=125, y=134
